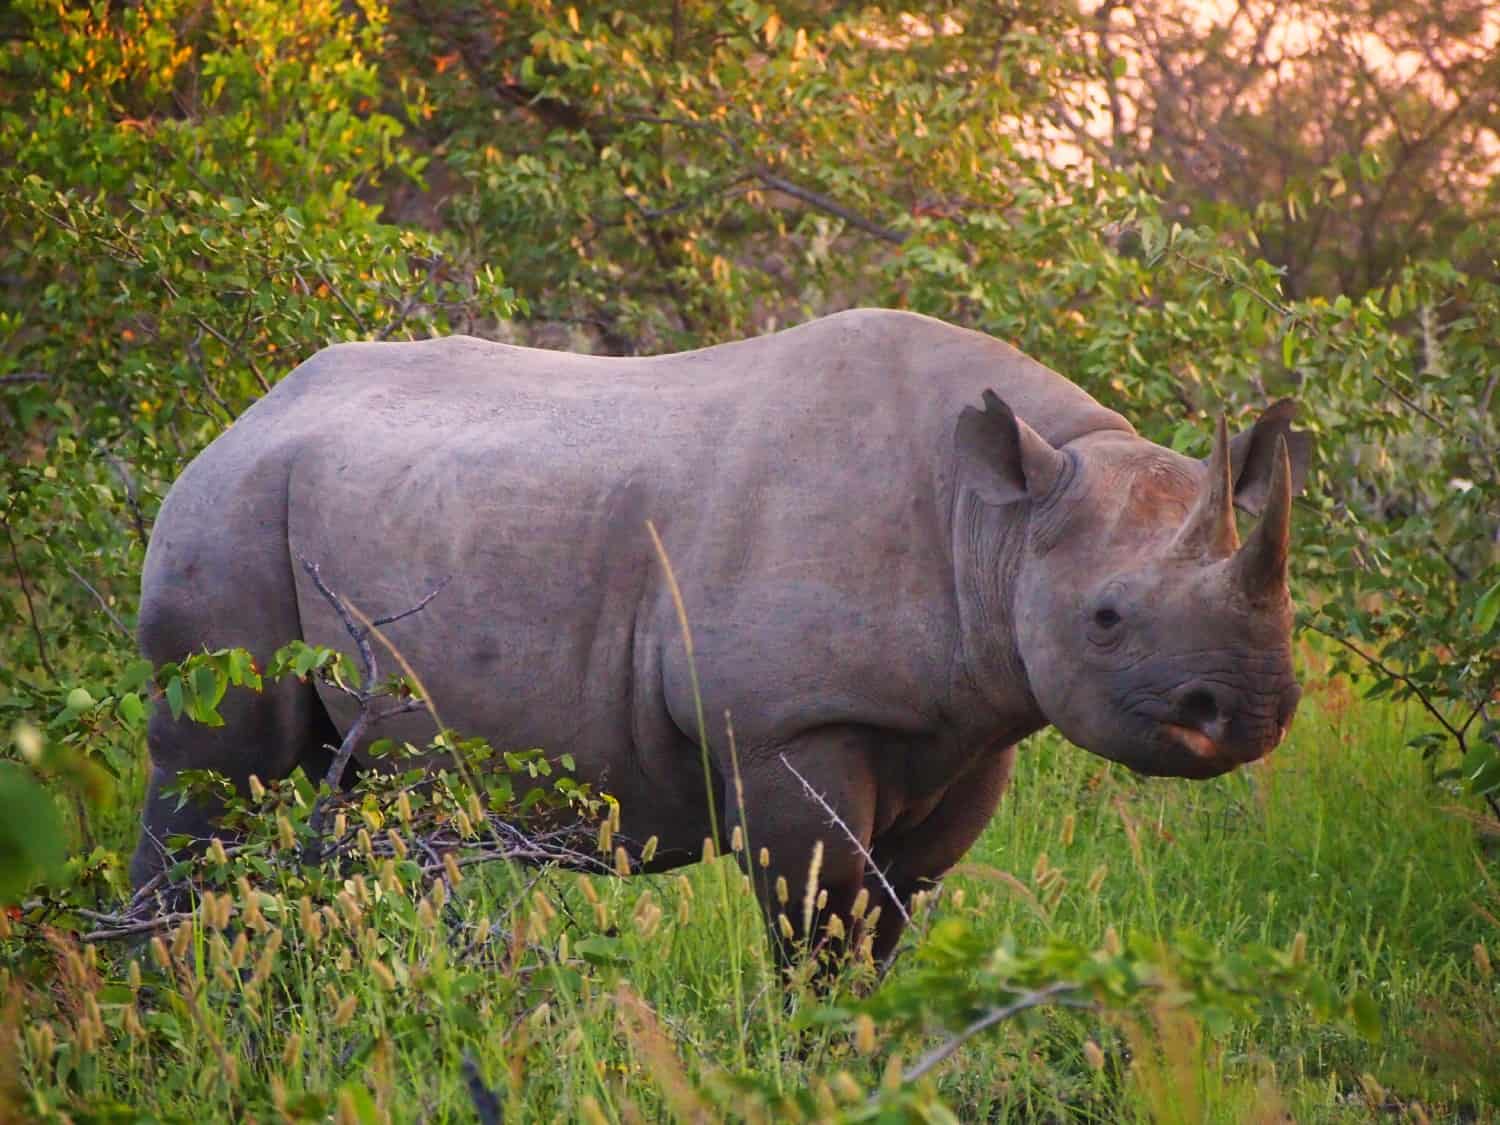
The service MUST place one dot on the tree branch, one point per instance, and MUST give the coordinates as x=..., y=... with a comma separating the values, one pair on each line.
x=1052, y=994
x=36, y=628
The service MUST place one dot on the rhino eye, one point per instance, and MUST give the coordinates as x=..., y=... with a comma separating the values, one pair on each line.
x=1106, y=618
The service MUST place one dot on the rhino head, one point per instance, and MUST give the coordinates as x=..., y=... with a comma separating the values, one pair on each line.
x=1146, y=631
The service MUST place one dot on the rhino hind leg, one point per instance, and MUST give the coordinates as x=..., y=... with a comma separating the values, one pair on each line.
x=791, y=825
x=206, y=593
x=915, y=859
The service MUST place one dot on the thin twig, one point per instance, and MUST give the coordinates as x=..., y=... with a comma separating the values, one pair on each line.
x=132, y=498
x=36, y=628
x=778, y=183
x=1376, y=663
x=132, y=929
x=365, y=694
x=24, y=377
x=1052, y=994
x=834, y=818
x=98, y=597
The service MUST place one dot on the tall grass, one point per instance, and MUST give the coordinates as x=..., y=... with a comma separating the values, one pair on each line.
x=585, y=998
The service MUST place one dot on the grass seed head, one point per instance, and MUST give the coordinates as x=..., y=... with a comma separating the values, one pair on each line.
x=765, y=856
x=586, y=888
x=382, y=973
x=292, y=1051
x=1093, y=1054
x=43, y=1041
x=159, y=953
x=217, y=853
x=591, y=1112
x=648, y=853
x=426, y=916
x=622, y=862
x=782, y=892
x=182, y=939
x=784, y=924
x=403, y=807
x=737, y=840
x=1040, y=869
x=1482, y=960
x=452, y=870
x=1096, y=879
x=1299, y=948
x=846, y=1089
x=465, y=825
x=1065, y=837
x=1112, y=944
x=398, y=845
x=257, y=790
x=133, y=976
x=710, y=853
x=340, y=826
x=835, y=928
x=861, y=904
x=239, y=951
x=864, y=1034
x=873, y=919
x=285, y=832
x=890, y=1080
x=345, y=1010
x=366, y=845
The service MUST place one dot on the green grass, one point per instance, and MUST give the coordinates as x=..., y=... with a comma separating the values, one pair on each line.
x=1340, y=837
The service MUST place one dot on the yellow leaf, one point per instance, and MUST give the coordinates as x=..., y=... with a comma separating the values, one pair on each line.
x=771, y=29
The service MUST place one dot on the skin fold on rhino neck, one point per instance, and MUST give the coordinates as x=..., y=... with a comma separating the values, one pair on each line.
x=988, y=544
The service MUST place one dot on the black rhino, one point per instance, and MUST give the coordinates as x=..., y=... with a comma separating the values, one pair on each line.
x=903, y=547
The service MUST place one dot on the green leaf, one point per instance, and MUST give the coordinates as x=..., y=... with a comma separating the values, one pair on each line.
x=1487, y=610
x=33, y=845
x=131, y=709
x=174, y=696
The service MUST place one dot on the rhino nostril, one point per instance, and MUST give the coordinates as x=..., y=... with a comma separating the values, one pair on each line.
x=1199, y=709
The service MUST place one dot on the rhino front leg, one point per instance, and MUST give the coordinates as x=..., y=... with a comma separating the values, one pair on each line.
x=915, y=858
x=802, y=839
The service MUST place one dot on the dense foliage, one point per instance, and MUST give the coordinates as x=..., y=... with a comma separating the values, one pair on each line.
x=197, y=196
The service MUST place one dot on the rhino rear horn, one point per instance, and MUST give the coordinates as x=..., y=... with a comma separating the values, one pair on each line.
x=1260, y=567
x=1209, y=531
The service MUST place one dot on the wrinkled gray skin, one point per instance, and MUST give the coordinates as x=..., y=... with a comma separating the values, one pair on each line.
x=903, y=547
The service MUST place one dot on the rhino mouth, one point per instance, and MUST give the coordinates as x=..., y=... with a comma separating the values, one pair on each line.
x=1195, y=742
x=1209, y=756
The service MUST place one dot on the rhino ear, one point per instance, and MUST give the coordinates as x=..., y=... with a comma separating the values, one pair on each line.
x=1003, y=458
x=1252, y=456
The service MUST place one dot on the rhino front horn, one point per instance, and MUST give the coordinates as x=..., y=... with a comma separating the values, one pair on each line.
x=1260, y=567
x=1209, y=531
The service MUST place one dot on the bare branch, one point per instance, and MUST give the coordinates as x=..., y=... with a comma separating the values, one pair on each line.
x=1053, y=994
x=1385, y=670
x=834, y=818
x=36, y=627
x=98, y=597
x=24, y=377
x=365, y=694
x=778, y=183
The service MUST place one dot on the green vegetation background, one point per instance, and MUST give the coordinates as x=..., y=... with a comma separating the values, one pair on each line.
x=195, y=196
